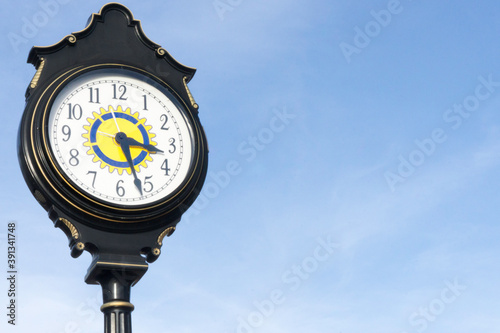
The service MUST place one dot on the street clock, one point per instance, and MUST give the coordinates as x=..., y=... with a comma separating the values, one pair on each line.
x=111, y=145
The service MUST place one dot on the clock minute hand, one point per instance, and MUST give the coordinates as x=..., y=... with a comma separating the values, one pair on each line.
x=121, y=138
x=149, y=148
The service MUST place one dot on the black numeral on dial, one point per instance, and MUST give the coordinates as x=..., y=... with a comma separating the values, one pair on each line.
x=121, y=89
x=173, y=148
x=75, y=111
x=120, y=190
x=93, y=179
x=66, y=130
x=73, y=161
x=94, y=95
x=164, y=118
x=164, y=166
x=148, y=186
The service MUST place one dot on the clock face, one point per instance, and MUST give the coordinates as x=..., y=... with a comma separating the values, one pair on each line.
x=121, y=138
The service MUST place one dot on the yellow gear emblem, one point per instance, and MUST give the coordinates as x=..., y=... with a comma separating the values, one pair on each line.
x=101, y=139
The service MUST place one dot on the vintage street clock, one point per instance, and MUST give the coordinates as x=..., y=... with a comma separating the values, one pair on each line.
x=110, y=144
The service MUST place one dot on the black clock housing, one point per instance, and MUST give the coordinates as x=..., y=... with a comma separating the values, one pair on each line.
x=112, y=233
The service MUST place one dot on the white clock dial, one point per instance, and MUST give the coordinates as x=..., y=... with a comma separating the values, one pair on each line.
x=120, y=137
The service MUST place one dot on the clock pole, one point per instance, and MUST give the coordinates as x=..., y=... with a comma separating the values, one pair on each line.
x=116, y=303
x=116, y=275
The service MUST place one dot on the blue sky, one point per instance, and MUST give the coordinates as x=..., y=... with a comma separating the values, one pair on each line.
x=362, y=141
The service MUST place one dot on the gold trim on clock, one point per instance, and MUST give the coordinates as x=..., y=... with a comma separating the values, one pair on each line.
x=117, y=264
x=167, y=232
x=191, y=98
x=161, y=51
x=71, y=228
x=71, y=39
x=116, y=304
x=36, y=77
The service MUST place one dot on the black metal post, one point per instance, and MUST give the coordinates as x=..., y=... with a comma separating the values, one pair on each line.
x=116, y=303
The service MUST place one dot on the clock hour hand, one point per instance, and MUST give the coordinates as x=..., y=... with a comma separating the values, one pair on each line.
x=150, y=148
x=121, y=138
